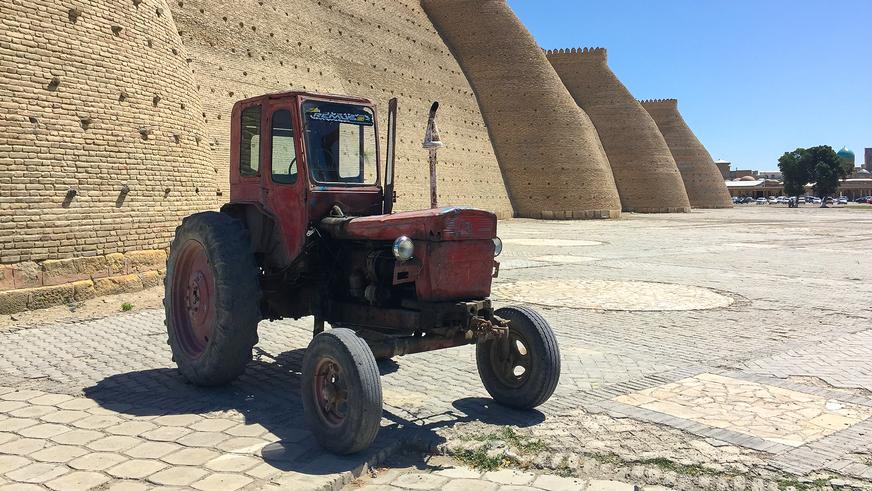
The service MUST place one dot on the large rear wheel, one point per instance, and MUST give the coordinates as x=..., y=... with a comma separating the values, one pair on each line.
x=212, y=296
x=523, y=371
x=341, y=391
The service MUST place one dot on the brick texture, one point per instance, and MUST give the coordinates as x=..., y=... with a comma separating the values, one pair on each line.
x=645, y=173
x=376, y=49
x=551, y=156
x=96, y=95
x=702, y=180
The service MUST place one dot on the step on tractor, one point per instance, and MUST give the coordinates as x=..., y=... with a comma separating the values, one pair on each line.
x=310, y=231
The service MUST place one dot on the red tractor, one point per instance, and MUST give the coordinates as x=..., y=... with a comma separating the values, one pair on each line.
x=309, y=231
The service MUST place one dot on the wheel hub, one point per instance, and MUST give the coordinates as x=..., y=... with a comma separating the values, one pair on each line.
x=331, y=392
x=513, y=362
x=193, y=302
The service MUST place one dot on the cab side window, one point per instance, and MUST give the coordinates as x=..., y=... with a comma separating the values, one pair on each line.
x=284, y=155
x=249, y=144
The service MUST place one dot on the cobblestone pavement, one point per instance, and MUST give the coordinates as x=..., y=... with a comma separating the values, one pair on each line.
x=443, y=474
x=751, y=368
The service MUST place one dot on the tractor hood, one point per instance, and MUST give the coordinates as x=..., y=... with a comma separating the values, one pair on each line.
x=451, y=223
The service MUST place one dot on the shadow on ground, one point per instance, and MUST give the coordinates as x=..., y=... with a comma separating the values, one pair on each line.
x=268, y=394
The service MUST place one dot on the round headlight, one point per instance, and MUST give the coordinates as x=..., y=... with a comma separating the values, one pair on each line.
x=403, y=248
x=498, y=246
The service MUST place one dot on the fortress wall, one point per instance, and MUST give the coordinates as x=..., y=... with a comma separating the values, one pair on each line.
x=372, y=48
x=95, y=95
x=702, y=179
x=646, y=175
x=551, y=156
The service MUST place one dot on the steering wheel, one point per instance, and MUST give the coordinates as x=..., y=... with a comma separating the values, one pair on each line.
x=327, y=169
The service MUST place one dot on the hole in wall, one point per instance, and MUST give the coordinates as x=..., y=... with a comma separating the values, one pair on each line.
x=125, y=190
x=116, y=30
x=68, y=198
x=74, y=15
x=85, y=123
x=53, y=84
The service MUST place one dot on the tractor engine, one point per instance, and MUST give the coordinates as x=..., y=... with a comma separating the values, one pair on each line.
x=437, y=255
x=372, y=275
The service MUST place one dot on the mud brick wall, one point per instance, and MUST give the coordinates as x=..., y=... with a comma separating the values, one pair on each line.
x=645, y=173
x=377, y=49
x=102, y=149
x=96, y=95
x=551, y=156
x=702, y=179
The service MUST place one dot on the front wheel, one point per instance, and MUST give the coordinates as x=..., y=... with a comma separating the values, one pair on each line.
x=523, y=371
x=341, y=391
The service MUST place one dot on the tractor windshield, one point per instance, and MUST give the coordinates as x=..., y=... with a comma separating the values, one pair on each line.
x=341, y=143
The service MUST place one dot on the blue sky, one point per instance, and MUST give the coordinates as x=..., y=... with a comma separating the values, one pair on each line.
x=753, y=79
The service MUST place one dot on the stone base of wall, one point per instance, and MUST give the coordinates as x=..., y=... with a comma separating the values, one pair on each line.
x=575, y=215
x=658, y=210
x=31, y=285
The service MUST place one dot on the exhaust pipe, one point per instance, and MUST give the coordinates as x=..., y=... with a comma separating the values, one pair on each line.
x=432, y=143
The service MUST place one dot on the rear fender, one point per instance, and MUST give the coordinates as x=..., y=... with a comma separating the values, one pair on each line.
x=266, y=238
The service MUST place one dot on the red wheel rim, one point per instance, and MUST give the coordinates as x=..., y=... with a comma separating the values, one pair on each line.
x=193, y=299
x=331, y=392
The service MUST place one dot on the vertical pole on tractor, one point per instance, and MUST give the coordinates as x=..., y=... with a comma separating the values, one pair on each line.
x=432, y=143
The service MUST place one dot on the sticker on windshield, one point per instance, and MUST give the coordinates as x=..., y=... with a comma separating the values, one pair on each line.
x=361, y=118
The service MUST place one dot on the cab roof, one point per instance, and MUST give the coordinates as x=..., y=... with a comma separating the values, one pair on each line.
x=305, y=94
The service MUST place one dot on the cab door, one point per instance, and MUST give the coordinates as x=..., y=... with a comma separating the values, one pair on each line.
x=283, y=176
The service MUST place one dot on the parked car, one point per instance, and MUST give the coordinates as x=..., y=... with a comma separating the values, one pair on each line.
x=809, y=199
x=816, y=201
x=748, y=199
x=869, y=200
x=773, y=200
x=861, y=199
x=761, y=201
x=843, y=200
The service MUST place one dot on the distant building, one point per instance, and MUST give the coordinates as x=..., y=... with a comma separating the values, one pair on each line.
x=770, y=174
x=868, y=162
x=724, y=167
x=738, y=174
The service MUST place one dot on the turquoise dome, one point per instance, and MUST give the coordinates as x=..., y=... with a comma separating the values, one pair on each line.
x=846, y=154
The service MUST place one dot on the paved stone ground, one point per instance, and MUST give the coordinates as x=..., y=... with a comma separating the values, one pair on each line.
x=763, y=322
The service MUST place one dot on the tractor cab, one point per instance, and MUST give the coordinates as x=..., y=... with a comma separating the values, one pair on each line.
x=298, y=157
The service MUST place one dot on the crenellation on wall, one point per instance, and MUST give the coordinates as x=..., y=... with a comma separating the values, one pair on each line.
x=668, y=103
x=577, y=54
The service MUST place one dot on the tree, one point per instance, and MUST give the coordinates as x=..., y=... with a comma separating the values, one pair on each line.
x=826, y=169
x=818, y=164
x=793, y=172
